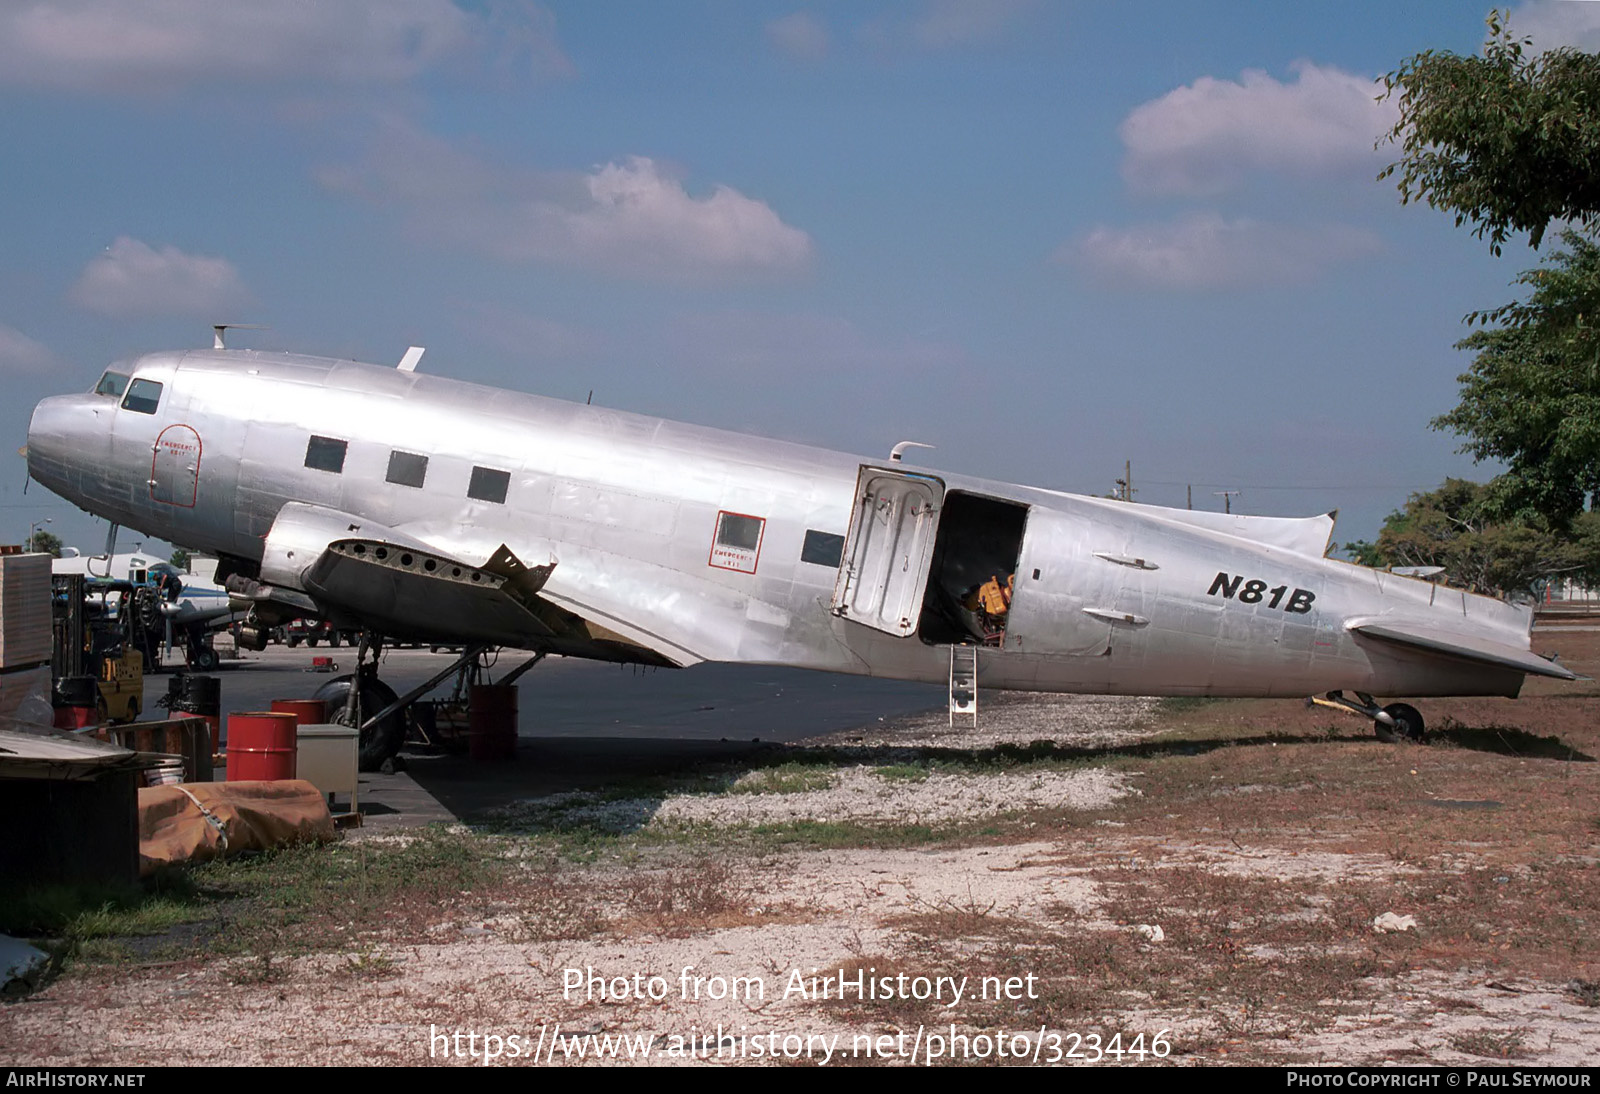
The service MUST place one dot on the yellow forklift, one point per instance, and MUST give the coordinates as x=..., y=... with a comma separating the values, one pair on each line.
x=97, y=632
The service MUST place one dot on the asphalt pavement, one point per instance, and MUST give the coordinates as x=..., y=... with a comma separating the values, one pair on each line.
x=580, y=724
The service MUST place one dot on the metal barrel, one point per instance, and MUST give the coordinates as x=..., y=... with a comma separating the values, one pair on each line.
x=307, y=712
x=492, y=722
x=76, y=700
x=201, y=695
x=261, y=745
x=76, y=691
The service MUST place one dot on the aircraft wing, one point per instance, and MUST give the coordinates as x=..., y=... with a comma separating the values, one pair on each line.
x=397, y=584
x=1485, y=651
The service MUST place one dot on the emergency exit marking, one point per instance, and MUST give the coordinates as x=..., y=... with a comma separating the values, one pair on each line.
x=737, y=543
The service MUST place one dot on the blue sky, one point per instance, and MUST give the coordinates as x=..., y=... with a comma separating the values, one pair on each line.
x=1046, y=237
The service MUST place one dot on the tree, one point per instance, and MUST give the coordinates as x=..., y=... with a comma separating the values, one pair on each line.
x=1532, y=396
x=180, y=558
x=1509, y=140
x=1454, y=527
x=45, y=542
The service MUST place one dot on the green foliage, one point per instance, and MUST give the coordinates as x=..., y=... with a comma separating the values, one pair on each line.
x=1508, y=140
x=45, y=542
x=1454, y=527
x=180, y=558
x=1364, y=553
x=1532, y=396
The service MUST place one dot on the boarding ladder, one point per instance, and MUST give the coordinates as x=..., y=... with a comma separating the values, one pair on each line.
x=964, y=683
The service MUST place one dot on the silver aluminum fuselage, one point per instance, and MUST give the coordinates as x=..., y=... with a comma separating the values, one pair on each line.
x=627, y=506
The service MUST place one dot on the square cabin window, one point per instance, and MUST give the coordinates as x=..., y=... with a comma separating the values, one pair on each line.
x=489, y=485
x=739, y=532
x=822, y=548
x=143, y=397
x=326, y=454
x=407, y=468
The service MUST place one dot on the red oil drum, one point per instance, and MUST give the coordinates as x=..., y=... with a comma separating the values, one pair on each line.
x=76, y=717
x=77, y=702
x=307, y=712
x=492, y=722
x=261, y=745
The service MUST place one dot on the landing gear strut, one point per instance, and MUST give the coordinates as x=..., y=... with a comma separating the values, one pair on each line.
x=373, y=706
x=1395, y=722
x=349, y=696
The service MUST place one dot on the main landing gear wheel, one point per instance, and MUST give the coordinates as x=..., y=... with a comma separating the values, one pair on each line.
x=205, y=659
x=384, y=739
x=1407, y=723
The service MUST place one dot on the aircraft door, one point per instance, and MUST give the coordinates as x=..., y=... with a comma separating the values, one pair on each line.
x=175, y=467
x=1060, y=586
x=889, y=549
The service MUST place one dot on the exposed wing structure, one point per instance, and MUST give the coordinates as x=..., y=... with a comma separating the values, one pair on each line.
x=1485, y=651
x=403, y=587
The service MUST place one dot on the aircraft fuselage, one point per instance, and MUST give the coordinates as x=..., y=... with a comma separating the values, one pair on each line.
x=689, y=543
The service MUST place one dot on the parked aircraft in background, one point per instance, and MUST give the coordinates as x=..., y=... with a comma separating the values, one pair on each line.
x=428, y=509
x=181, y=605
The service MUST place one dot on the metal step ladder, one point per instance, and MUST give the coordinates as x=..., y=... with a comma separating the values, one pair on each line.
x=964, y=683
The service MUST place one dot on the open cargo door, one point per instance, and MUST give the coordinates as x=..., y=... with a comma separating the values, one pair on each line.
x=890, y=546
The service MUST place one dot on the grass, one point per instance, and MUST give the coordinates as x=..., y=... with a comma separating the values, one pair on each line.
x=1263, y=841
x=787, y=778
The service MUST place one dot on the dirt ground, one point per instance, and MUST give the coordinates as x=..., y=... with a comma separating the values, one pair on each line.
x=1079, y=880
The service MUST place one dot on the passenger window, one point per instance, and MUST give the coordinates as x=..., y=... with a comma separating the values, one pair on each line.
x=489, y=485
x=326, y=454
x=407, y=468
x=112, y=384
x=143, y=397
x=822, y=548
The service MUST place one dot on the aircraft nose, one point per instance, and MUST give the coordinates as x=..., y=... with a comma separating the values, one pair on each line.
x=61, y=432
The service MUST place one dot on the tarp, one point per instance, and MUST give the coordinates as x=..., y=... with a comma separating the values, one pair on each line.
x=200, y=821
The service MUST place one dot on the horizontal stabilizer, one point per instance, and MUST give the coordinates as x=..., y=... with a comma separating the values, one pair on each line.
x=1484, y=651
x=1302, y=535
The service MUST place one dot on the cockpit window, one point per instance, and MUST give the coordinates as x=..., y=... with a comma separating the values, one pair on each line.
x=143, y=397
x=112, y=384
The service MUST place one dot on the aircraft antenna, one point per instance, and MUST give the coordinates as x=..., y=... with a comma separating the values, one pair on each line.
x=408, y=363
x=218, y=330
x=899, y=450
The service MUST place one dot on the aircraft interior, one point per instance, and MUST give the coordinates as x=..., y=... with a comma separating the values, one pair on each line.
x=974, y=561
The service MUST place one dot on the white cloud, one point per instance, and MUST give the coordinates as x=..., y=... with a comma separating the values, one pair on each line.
x=1205, y=137
x=802, y=36
x=631, y=217
x=1554, y=24
x=133, y=278
x=1204, y=251
x=117, y=45
x=950, y=23
x=19, y=353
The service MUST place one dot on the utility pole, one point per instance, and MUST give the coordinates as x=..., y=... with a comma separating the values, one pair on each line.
x=1227, y=498
x=1123, y=490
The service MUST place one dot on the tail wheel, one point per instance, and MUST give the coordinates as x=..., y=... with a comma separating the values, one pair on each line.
x=384, y=739
x=1408, y=725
